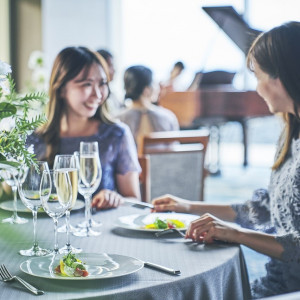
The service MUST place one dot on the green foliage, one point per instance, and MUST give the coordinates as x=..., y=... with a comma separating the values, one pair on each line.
x=16, y=108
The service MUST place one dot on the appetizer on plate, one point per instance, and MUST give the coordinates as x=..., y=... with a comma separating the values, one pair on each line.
x=71, y=266
x=165, y=224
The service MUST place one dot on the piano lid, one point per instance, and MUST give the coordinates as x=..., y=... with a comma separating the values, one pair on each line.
x=233, y=25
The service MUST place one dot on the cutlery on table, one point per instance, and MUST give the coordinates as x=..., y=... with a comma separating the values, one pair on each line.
x=160, y=233
x=6, y=276
x=162, y=268
x=138, y=204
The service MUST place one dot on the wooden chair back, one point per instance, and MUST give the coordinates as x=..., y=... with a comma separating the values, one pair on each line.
x=144, y=177
x=177, y=161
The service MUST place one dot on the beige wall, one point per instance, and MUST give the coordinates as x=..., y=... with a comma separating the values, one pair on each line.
x=26, y=37
x=4, y=31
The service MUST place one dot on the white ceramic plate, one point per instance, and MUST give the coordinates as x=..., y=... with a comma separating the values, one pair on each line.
x=99, y=266
x=9, y=205
x=137, y=222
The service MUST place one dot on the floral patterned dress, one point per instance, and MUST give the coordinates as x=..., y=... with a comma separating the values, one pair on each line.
x=277, y=211
x=117, y=151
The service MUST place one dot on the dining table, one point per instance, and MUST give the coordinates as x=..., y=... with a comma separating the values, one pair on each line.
x=207, y=271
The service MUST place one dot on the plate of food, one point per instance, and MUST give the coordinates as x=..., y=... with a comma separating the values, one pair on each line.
x=82, y=266
x=155, y=222
x=9, y=206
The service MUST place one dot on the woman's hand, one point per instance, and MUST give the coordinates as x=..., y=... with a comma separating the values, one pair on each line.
x=106, y=199
x=209, y=228
x=171, y=203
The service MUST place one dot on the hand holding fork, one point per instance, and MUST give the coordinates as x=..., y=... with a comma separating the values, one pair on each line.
x=6, y=276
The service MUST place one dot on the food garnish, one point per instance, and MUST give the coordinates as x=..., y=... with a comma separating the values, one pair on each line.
x=71, y=266
x=167, y=224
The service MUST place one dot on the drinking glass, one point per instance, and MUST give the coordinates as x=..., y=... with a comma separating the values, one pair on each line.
x=66, y=162
x=29, y=190
x=90, y=173
x=12, y=177
x=56, y=197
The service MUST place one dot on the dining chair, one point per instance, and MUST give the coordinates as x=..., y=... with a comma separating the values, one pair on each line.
x=177, y=162
x=144, y=177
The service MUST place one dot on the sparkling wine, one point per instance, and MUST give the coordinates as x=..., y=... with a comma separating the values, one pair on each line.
x=73, y=174
x=63, y=188
x=89, y=169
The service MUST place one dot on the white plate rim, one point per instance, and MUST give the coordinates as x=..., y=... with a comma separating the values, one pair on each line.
x=3, y=205
x=139, y=265
x=118, y=223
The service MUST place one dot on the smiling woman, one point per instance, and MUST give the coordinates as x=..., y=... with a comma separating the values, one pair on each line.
x=77, y=112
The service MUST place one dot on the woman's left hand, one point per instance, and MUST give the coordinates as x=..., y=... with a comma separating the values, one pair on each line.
x=106, y=199
x=208, y=228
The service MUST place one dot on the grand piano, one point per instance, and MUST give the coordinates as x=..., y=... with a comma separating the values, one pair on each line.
x=209, y=103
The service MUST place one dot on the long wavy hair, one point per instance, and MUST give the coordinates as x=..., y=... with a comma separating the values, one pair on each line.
x=67, y=65
x=277, y=52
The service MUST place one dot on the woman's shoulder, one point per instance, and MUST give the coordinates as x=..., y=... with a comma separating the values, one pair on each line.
x=162, y=110
x=116, y=129
x=165, y=114
x=128, y=114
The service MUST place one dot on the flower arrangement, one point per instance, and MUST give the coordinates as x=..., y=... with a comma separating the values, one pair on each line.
x=15, y=121
x=39, y=74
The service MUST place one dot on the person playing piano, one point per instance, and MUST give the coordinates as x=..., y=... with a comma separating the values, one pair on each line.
x=270, y=222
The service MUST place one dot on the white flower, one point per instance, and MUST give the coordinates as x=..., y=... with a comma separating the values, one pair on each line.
x=7, y=124
x=30, y=149
x=4, y=69
x=36, y=60
x=4, y=86
x=39, y=75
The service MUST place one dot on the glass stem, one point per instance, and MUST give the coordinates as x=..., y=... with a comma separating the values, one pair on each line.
x=68, y=230
x=88, y=219
x=14, y=190
x=55, y=221
x=35, y=243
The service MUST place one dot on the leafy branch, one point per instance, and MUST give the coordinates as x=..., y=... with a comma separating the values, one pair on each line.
x=15, y=109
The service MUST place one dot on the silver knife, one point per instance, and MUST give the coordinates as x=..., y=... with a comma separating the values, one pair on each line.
x=138, y=204
x=162, y=268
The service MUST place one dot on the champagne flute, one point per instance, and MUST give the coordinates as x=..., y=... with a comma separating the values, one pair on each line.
x=29, y=190
x=90, y=173
x=56, y=197
x=66, y=162
x=12, y=177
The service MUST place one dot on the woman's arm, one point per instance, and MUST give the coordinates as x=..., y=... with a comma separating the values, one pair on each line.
x=209, y=228
x=128, y=187
x=173, y=203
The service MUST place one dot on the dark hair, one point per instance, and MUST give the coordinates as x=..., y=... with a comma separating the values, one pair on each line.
x=105, y=53
x=136, y=78
x=179, y=64
x=277, y=52
x=67, y=65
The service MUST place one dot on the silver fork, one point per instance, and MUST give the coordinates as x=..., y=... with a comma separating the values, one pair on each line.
x=168, y=231
x=6, y=276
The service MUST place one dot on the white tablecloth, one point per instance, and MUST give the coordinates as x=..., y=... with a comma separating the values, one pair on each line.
x=207, y=271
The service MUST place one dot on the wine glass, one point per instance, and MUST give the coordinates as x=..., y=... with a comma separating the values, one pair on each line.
x=56, y=197
x=12, y=177
x=90, y=173
x=66, y=162
x=29, y=190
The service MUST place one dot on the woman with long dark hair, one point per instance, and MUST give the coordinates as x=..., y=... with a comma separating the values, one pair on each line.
x=272, y=217
x=77, y=112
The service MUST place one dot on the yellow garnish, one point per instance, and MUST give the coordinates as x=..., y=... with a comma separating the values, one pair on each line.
x=62, y=267
x=177, y=223
x=150, y=226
